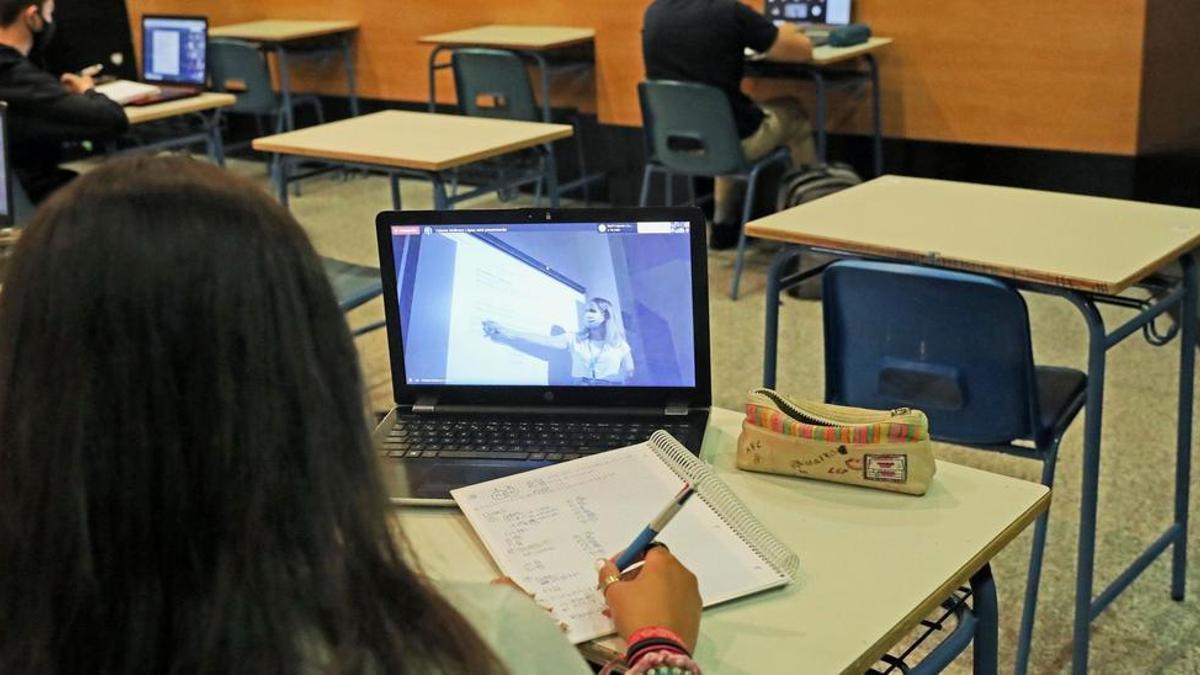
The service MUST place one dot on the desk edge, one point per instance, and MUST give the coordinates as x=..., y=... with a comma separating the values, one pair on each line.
x=976, y=563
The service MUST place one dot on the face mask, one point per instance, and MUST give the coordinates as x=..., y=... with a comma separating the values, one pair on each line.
x=42, y=37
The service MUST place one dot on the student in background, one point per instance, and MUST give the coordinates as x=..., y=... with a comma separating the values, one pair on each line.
x=45, y=111
x=186, y=478
x=704, y=41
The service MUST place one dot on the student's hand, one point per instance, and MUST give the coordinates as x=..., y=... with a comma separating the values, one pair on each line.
x=664, y=593
x=77, y=84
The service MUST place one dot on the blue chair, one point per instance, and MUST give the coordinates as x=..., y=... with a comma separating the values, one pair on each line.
x=958, y=347
x=353, y=285
x=240, y=68
x=690, y=132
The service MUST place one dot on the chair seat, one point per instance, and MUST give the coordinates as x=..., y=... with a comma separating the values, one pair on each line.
x=352, y=284
x=1061, y=393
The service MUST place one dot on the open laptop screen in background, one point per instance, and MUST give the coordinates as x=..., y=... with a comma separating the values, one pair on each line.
x=6, y=178
x=830, y=12
x=511, y=305
x=174, y=50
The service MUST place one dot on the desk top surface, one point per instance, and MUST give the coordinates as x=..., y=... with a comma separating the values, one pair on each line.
x=282, y=30
x=826, y=55
x=1091, y=244
x=872, y=563
x=534, y=38
x=182, y=106
x=413, y=140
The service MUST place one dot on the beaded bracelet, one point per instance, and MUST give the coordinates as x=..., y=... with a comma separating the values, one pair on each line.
x=664, y=663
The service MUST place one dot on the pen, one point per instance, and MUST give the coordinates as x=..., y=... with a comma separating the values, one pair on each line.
x=92, y=70
x=643, y=540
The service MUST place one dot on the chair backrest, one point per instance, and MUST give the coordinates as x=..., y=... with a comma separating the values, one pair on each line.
x=243, y=63
x=690, y=128
x=952, y=344
x=494, y=83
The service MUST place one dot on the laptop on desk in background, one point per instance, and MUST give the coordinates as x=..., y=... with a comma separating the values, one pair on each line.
x=815, y=17
x=174, y=58
x=520, y=338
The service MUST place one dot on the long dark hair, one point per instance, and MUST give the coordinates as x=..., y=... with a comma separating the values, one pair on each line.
x=187, y=483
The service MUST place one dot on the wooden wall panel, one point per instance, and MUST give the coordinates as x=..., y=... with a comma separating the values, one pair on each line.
x=1170, y=106
x=1058, y=75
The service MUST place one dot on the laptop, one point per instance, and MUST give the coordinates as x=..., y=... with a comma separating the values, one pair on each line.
x=521, y=338
x=174, y=57
x=815, y=17
x=7, y=208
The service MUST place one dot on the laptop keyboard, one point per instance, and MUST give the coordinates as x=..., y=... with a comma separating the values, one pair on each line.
x=537, y=438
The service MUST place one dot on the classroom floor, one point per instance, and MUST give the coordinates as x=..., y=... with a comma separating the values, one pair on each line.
x=1143, y=631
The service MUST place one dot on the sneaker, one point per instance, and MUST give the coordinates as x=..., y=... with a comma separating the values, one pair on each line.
x=723, y=236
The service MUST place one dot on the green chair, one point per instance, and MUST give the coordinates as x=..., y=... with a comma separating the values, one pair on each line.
x=690, y=131
x=353, y=285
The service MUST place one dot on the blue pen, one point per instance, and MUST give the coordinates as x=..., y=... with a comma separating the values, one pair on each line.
x=644, y=539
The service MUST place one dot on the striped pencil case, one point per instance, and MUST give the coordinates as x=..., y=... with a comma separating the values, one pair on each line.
x=882, y=449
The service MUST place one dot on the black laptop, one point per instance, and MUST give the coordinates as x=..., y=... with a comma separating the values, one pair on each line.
x=174, y=57
x=520, y=338
x=7, y=207
x=815, y=17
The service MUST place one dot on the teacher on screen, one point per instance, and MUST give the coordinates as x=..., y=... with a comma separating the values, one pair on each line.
x=599, y=353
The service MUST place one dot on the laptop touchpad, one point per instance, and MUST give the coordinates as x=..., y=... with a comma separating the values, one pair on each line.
x=435, y=480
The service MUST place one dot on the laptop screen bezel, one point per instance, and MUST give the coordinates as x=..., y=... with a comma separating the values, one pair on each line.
x=822, y=21
x=697, y=396
x=175, y=17
x=8, y=217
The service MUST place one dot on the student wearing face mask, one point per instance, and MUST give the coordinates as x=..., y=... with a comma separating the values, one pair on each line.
x=44, y=110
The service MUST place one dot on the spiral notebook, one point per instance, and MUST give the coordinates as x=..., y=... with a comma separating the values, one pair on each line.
x=546, y=527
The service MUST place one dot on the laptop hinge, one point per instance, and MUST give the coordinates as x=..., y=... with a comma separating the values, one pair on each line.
x=678, y=409
x=425, y=404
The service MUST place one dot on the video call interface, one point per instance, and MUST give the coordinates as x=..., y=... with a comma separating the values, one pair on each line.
x=833, y=12
x=174, y=50
x=551, y=304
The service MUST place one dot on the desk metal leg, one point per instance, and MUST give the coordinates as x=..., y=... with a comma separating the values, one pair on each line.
x=215, y=145
x=285, y=88
x=822, y=104
x=279, y=175
x=774, y=286
x=1183, y=466
x=351, y=76
x=987, y=628
x=433, y=68
x=440, y=202
x=396, y=200
x=876, y=112
x=1093, y=416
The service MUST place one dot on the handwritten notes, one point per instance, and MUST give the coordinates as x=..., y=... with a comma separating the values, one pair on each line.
x=546, y=528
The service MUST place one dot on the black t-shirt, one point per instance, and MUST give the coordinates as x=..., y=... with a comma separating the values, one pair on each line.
x=43, y=113
x=704, y=41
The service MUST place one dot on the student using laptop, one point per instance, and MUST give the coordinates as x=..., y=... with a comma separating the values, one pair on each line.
x=705, y=41
x=45, y=111
x=188, y=482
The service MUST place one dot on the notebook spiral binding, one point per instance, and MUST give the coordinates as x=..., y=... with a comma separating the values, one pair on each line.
x=722, y=500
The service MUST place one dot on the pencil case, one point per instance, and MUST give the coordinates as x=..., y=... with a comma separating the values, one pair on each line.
x=882, y=449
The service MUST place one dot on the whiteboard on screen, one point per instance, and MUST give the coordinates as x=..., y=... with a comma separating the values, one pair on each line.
x=492, y=284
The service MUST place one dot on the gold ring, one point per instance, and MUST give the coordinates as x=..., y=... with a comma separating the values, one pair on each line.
x=608, y=581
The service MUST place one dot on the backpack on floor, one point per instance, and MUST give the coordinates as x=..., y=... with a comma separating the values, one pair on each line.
x=803, y=185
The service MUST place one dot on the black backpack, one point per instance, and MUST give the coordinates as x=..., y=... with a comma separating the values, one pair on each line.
x=803, y=185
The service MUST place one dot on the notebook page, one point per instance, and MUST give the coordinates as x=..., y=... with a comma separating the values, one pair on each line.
x=124, y=91
x=545, y=528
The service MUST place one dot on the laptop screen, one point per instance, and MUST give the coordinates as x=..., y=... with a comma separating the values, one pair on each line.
x=564, y=304
x=174, y=50
x=832, y=12
x=6, y=194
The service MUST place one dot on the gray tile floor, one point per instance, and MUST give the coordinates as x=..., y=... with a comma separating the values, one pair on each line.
x=1144, y=631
